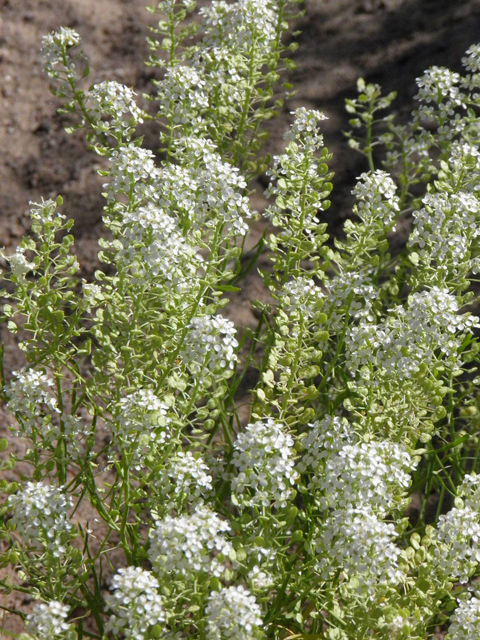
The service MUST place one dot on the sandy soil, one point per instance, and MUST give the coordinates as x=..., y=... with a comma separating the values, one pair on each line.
x=386, y=41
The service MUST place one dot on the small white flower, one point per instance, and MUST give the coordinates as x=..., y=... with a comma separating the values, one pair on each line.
x=259, y=579
x=46, y=212
x=166, y=6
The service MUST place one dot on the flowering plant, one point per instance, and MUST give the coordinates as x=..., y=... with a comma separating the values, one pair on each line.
x=333, y=491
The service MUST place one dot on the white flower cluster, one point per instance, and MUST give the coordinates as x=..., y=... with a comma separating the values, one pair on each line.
x=54, y=46
x=75, y=428
x=238, y=39
x=471, y=62
x=292, y=168
x=142, y=420
x=190, y=544
x=439, y=84
x=208, y=185
x=216, y=14
x=445, y=228
x=323, y=438
x=215, y=82
x=305, y=128
x=135, y=603
x=19, y=265
x=166, y=6
x=376, y=199
x=465, y=621
x=113, y=100
x=409, y=336
x=186, y=478
x=260, y=579
x=132, y=171
x=40, y=515
x=264, y=459
x=358, y=483
x=30, y=398
x=48, y=621
x=46, y=212
x=28, y=391
x=92, y=295
x=469, y=491
x=210, y=346
x=357, y=541
x=183, y=97
x=461, y=156
x=224, y=73
x=456, y=543
x=440, y=94
x=153, y=245
x=240, y=24
x=262, y=561
x=202, y=191
x=401, y=626
x=302, y=295
x=349, y=293
x=374, y=474
x=253, y=20
x=233, y=614
x=433, y=321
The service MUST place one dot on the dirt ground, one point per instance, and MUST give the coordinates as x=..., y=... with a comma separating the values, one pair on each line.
x=386, y=41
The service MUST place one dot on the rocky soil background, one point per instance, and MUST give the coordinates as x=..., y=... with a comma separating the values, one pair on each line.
x=386, y=41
